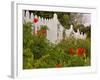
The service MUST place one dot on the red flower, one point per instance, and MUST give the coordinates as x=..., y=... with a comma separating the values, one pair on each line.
x=44, y=31
x=58, y=65
x=71, y=50
x=81, y=51
x=35, y=20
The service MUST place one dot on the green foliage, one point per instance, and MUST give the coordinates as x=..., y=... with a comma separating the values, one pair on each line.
x=76, y=61
x=28, y=56
x=84, y=29
x=27, y=36
x=38, y=52
x=64, y=19
x=28, y=59
x=39, y=47
x=44, y=27
x=44, y=14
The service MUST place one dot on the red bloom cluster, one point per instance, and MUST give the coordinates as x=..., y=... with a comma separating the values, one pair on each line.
x=72, y=51
x=35, y=20
x=44, y=31
x=81, y=51
x=58, y=65
x=41, y=32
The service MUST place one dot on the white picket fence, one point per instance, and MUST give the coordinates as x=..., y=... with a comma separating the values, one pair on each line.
x=55, y=32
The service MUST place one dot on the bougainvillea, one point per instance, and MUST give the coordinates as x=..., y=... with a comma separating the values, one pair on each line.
x=71, y=51
x=81, y=51
x=35, y=20
x=58, y=65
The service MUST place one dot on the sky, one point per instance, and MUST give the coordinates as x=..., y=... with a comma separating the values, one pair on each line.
x=86, y=20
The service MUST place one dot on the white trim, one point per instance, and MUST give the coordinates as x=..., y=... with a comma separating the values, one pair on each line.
x=14, y=71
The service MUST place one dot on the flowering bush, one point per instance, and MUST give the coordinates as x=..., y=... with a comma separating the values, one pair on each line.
x=38, y=52
x=43, y=31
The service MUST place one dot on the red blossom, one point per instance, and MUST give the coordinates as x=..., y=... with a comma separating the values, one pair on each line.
x=81, y=51
x=58, y=65
x=41, y=32
x=44, y=31
x=72, y=51
x=35, y=20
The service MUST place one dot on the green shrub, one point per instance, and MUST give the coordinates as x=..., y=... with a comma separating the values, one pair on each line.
x=28, y=59
x=38, y=52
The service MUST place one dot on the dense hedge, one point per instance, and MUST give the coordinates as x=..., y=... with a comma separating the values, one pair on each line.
x=38, y=52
